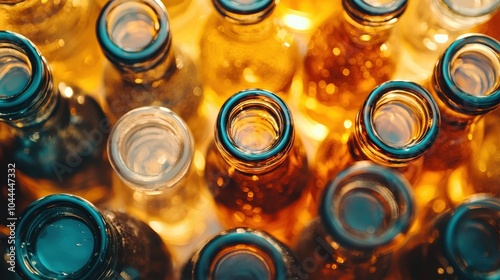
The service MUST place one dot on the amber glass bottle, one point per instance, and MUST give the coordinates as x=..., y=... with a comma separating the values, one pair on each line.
x=466, y=85
x=256, y=167
x=349, y=54
x=242, y=46
x=364, y=216
x=63, y=30
x=60, y=133
x=145, y=68
x=462, y=244
x=396, y=125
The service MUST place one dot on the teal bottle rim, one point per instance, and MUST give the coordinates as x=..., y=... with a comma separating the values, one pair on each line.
x=359, y=9
x=431, y=134
x=32, y=218
x=450, y=93
x=158, y=47
x=459, y=213
x=246, y=9
x=226, y=111
x=238, y=236
x=22, y=102
x=398, y=184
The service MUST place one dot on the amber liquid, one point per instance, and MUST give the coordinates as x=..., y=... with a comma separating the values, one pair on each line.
x=304, y=16
x=64, y=32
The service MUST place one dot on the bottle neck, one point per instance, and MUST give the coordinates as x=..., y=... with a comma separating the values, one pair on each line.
x=247, y=32
x=242, y=12
x=455, y=15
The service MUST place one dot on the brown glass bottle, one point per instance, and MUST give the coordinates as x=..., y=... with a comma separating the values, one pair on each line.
x=349, y=54
x=256, y=167
x=59, y=133
x=63, y=30
x=396, y=125
x=242, y=46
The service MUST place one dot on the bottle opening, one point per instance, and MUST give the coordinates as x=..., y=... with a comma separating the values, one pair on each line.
x=475, y=70
x=244, y=11
x=474, y=8
x=15, y=71
x=133, y=26
x=380, y=3
x=242, y=262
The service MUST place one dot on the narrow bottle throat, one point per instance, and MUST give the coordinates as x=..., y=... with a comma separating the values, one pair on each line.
x=363, y=34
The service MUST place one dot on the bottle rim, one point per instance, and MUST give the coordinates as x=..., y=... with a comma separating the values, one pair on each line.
x=484, y=11
x=42, y=212
x=157, y=48
x=245, y=13
x=273, y=155
x=235, y=237
x=476, y=202
x=360, y=10
x=451, y=93
x=398, y=186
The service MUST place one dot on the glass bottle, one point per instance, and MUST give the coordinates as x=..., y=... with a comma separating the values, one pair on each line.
x=243, y=46
x=349, y=54
x=461, y=244
x=256, y=166
x=430, y=26
x=60, y=133
x=63, y=30
x=466, y=85
x=305, y=16
x=364, y=215
x=63, y=236
x=242, y=253
x=145, y=68
x=152, y=151
x=396, y=125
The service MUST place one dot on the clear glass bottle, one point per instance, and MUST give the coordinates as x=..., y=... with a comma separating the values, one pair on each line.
x=63, y=30
x=466, y=85
x=430, y=26
x=349, y=54
x=364, y=216
x=145, y=68
x=256, y=167
x=242, y=253
x=462, y=244
x=151, y=150
x=63, y=236
x=60, y=133
x=396, y=125
x=243, y=46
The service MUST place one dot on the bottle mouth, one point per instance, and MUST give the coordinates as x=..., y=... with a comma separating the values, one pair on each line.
x=367, y=206
x=255, y=127
x=241, y=254
x=375, y=12
x=62, y=237
x=468, y=74
x=132, y=32
x=399, y=121
x=150, y=148
x=472, y=238
x=245, y=11
x=471, y=8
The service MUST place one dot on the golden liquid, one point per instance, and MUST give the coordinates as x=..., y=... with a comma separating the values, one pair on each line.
x=238, y=57
x=304, y=16
x=64, y=32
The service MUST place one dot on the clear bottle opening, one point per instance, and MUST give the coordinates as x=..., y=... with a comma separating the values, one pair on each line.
x=15, y=71
x=242, y=262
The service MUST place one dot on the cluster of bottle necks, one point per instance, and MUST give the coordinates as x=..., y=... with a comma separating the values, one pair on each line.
x=236, y=139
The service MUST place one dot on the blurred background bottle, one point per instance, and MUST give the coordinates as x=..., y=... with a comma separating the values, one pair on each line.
x=242, y=253
x=65, y=237
x=256, y=167
x=243, y=46
x=60, y=133
x=305, y=16
x=63, y=30
x=364, y=216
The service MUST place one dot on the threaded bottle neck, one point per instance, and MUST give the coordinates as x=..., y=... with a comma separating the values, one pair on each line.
x=244, y=12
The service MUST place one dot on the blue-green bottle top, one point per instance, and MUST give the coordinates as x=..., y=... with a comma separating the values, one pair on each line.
x=244, y=6
x=378, y=11
x=62, y=237
x=367, y=206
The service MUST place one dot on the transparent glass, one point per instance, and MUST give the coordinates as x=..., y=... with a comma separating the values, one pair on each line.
x=151, y=150
x=71, y=48
x=462, y=244
x=242, y=253
x=466, y=85
x=364, y=217
x=396, y=125
x=349, y=54
x=243, y=46
x=145, y=68
x=60, y=133
x=256, y=167
x=62, y=236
